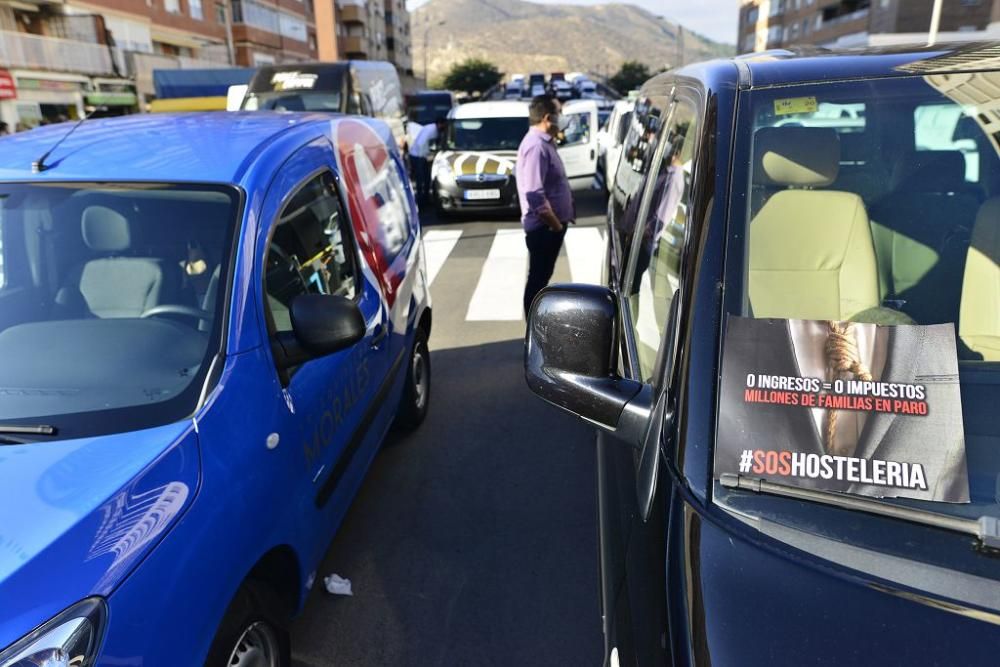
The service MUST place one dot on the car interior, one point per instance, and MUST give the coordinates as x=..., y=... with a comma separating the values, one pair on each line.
x=108, y=293
x=838, y=231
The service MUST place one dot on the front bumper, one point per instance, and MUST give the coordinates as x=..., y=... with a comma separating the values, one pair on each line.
x=453, y=196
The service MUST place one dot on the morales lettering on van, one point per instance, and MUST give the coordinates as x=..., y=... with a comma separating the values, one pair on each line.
x=337, y=405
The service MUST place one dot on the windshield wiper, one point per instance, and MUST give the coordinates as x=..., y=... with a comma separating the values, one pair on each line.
x=985, y=528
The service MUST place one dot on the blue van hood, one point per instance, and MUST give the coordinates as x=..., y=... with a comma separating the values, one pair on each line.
x=77, y=515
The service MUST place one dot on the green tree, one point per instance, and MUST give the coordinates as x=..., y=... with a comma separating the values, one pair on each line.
x=631, y=76
x=472, y=75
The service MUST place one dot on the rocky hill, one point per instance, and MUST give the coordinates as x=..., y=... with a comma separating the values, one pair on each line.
x=523, y=37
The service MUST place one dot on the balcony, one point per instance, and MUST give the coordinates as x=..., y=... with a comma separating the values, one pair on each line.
x=355, y=45
x=26, y=51
x=353, y=14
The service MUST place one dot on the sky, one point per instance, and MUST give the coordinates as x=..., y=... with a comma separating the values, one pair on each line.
x=716, y=19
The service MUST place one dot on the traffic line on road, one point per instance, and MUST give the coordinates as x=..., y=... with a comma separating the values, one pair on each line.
x=499, y=294
x=585, y=251
x=438, y=244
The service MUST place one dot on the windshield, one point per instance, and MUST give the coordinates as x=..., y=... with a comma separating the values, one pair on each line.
x=427, y=109
x=110, y=301
x=328, y=101
x=872, y=205
x=486, y=134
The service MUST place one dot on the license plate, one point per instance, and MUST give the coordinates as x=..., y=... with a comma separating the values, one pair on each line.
x=482, y=194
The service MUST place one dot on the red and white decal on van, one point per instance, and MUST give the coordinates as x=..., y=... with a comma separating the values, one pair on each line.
x=378, y=201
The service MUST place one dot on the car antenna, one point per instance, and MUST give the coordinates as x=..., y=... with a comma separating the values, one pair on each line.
x=39, y=165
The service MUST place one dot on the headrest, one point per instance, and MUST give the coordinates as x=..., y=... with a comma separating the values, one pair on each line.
x=935, y=172
x=797, y=156
x=105, y=230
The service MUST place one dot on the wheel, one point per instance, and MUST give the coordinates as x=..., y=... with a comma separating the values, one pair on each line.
x=417, y=392
x=254, y=631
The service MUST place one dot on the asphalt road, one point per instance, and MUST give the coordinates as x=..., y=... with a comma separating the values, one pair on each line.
x=473, y=540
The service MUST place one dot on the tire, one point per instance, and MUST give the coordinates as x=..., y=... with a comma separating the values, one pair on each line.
x=416, y=398
x=253, y=632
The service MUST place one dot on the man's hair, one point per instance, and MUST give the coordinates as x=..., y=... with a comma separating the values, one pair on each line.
x=541, y=106
x=441, y=120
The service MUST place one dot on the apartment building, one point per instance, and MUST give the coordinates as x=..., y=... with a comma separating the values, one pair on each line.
x=365, y=30
x=769, y=24
x=65, y=56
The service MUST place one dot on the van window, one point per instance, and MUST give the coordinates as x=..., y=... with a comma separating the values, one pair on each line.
x=486, y=134
x=660, y=239
x=576, y=129
x=311, y=251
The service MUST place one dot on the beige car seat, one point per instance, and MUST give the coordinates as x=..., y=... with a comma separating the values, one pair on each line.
x=979, y=319
x=811, y=251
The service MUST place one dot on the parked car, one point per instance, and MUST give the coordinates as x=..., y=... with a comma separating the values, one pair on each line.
x=536, y=85
x=562, y=90
x=578, y=142
x=475, y=168
x=610, y=140
x=200, y=355
x=722, y=216
x=363, y=87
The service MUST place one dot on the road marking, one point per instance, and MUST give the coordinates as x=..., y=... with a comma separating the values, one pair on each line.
x=499, y=294
x=585, y=251
x=438, y=244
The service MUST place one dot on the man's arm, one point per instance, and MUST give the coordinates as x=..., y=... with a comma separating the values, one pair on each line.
x=532, y=183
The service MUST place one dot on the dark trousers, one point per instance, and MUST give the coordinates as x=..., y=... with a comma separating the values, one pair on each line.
x=422, y=177
x=543, y=251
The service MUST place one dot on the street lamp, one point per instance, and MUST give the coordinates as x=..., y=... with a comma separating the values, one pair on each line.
x=427, y=31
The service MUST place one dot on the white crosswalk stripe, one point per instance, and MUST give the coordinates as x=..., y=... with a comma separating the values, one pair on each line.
x=585, y=251
x=438, y=244
x=499, y=293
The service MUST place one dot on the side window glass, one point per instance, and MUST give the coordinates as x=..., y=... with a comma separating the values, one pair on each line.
x=634, y=165
x=577, y=129
x=660, y=238
x=311, y=250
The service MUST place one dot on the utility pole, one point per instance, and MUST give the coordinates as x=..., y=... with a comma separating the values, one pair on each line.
x=227, y=12
x=935, y=23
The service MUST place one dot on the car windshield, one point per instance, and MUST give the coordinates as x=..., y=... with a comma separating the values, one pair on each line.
x=486, y=134
x=294, y=101
x=111, y=301
x=878, y=203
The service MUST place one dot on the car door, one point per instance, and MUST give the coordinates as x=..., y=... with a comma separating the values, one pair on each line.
x=308, y=245
x=632, y=513
x=578, y=147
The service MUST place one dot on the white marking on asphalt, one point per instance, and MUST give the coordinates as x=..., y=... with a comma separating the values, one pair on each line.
x=500, y=292
x=438, y=244
x=585, y=251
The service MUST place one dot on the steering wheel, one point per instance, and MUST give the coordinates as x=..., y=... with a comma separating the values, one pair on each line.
x=177, y=309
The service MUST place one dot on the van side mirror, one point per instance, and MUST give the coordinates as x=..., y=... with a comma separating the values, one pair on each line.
x=321, y=324
x=568, y=356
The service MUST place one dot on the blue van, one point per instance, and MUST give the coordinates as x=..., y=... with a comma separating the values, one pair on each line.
x=208, y=324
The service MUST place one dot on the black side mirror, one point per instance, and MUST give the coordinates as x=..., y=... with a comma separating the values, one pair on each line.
x=568, y=356
x=321, y=324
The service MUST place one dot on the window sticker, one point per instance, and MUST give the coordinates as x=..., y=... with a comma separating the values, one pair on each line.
x=787, y=105
x=842, y=406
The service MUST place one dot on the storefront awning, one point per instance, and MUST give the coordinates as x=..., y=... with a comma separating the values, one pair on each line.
x=111, y=99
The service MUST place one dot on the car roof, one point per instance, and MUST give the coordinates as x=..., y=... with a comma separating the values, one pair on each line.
x=814, y=64
x=494, y=109
x=205, y=147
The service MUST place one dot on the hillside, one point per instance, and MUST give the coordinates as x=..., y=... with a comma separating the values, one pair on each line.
x=525, y=37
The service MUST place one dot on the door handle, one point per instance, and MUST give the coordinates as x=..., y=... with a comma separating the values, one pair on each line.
x=378, y=335
x=591, y=153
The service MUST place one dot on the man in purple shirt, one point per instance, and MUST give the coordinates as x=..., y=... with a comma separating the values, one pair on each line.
x=543, y=189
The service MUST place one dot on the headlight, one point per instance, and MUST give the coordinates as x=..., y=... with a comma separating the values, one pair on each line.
x=442, y=173
x=71, y=639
